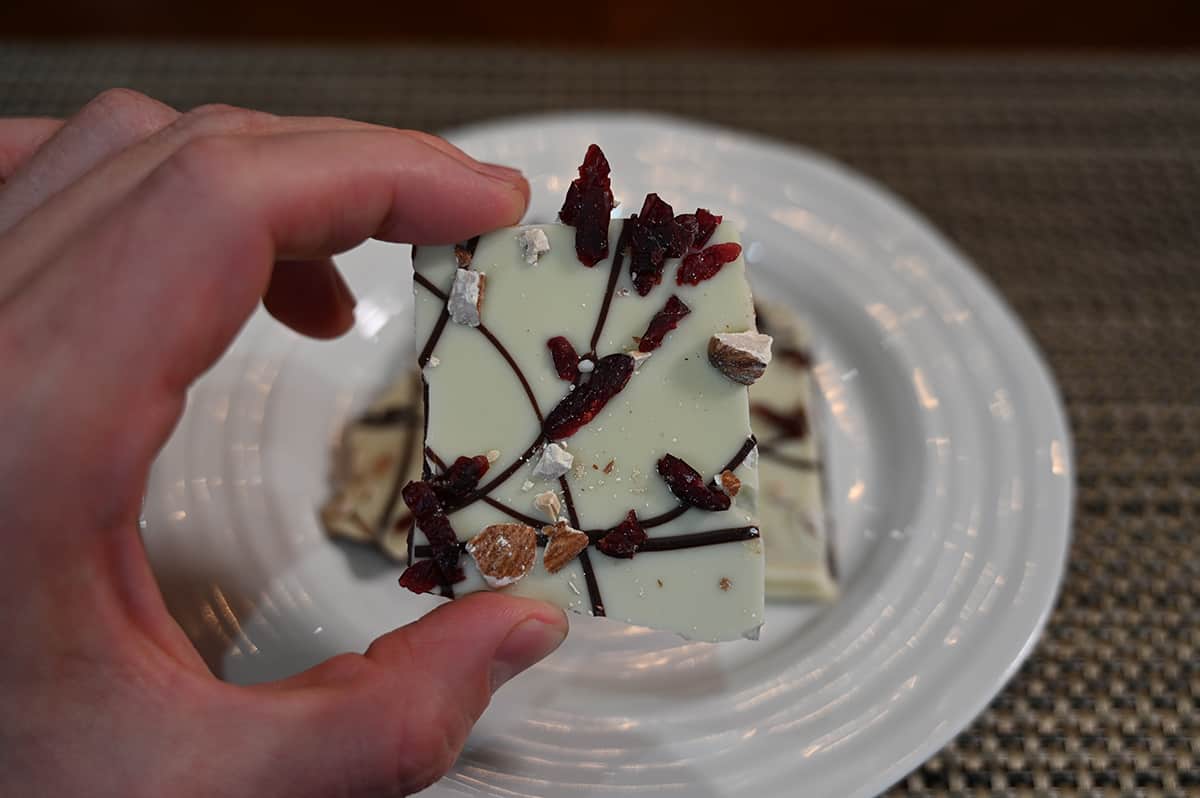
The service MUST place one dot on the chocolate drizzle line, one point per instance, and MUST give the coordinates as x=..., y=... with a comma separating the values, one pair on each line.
x=613, y=274
x=585, y=561
x=671, y=515
x=406, y=453
x=440, y=325
x=710, y=537
x=690, y=540
x=388, y=417
x=504, y=353
x=668, y=543
x=425, y=474
x=488, y=334
x=437, y=461
x=798, y=463
x=536, y=523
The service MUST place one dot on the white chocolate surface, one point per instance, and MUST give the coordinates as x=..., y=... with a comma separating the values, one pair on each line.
x=796, y=530
x=676, y=402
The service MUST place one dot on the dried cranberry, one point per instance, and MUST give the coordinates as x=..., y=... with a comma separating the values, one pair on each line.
x=421, y=577
x=459, y=479
x=422, y=500
x=690, y=228
x=663, y=322
x=793, y=424
x=581, y=405
x=624, y=539
x=689, y=487
x=706, y=224
x=700, y=266
x=566, y=359
x=588, y=207
x=655, y=235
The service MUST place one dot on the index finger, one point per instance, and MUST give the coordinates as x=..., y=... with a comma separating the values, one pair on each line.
x=147, y=298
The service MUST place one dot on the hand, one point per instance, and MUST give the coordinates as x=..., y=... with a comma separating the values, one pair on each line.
x=134, y=242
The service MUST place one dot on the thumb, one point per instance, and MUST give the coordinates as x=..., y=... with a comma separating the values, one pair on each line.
x=393, y=720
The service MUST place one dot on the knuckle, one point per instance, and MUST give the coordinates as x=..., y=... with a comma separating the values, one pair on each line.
x=127, y=113
x=202, y=161
x=218, y=118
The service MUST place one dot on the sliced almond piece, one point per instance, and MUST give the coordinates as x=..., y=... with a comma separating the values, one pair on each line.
x=742, y=357
x=504, y=553
x=466, y=297
x=729, y=482
x=549, y=504
x=564, y=545
x=639, y=358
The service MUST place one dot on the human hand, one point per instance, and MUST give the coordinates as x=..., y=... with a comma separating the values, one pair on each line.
x=134, y=242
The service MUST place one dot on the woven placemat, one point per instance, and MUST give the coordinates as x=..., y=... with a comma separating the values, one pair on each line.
x=1073, y=183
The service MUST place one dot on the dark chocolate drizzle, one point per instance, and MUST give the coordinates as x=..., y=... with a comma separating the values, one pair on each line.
x=798, y=463
x=517, y=515
x=614, y=274
x=388, y=417
x=504, y=353
x=688, y=540
x=668, y=543
x=406, y=454
x=440, y=325
x=585, y=561
x=437, y=461
x=492, y=339
x=711, y=537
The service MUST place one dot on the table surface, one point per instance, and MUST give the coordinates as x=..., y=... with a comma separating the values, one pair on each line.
x=1073, y=183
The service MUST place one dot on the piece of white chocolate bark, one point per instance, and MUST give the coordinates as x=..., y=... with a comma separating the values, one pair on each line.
x=381, y=453
x=797, y=533
x=641, y=446
x=792, y=499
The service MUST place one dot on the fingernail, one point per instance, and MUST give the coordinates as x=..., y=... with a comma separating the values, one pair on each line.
x=529, y=642
x=505, y=173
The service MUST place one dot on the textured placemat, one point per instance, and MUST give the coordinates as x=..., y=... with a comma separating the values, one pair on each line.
x=1074, y=184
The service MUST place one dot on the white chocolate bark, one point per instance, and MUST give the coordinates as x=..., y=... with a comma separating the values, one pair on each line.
x=382, y=451
x=796, y=529
x=676, y=402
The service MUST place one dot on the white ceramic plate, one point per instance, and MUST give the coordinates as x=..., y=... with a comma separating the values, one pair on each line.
x=951, y=483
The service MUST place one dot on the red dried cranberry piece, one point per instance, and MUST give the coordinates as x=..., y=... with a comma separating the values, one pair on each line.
x=700, y=266
x=459, y=479
x=588, y=207
x=663, y=322
x=655, y=235
x=689, y=487
x=623, y=540
x=706, y=225
x=421, y=577
x=793, y=424
x=566, y=359
x=581, y=405
x=689, y=229
x=422, y=500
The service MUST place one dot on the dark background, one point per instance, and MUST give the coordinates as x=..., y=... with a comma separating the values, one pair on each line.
x=543, y=24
